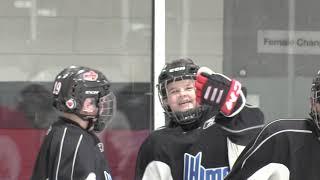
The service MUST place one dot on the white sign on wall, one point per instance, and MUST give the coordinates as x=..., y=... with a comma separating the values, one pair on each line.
x=288, y=42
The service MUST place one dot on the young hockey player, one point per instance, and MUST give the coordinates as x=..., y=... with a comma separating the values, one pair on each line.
x=71, y=150
x=208, y=127
x=285, y=148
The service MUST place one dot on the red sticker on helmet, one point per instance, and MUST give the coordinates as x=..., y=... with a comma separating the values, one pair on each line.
x=71, y=103
x=90, y=76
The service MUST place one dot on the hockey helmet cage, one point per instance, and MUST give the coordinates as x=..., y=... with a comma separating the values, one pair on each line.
x=315, y=98
x=180, y=69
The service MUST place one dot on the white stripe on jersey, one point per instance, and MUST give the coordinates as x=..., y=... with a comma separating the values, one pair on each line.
x=287, y=130
x=257, y=137
x=61, y=145
x=75, y=155
x=242, y=130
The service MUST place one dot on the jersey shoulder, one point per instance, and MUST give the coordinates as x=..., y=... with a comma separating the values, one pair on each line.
x=160, y=136
x=70, y=134
x=244, y=126
x=277, y=140
x=283, y=125
x=249, y=117
x=250, y=111
x=284, y=129
x=62, y=127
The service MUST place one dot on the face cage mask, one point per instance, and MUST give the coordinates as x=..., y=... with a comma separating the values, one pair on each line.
x=107, y=109
x=315, y=98
x=181, y=117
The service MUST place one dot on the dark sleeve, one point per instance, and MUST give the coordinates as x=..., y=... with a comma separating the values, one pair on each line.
x=248, y=117
x=40, y=169
x=244, y=126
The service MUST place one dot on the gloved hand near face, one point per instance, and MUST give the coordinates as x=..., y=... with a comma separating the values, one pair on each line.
x=219, y=91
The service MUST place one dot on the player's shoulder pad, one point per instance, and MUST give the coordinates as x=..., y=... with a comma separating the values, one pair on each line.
x=249, y=120
x=284, y=125
x=277, y=129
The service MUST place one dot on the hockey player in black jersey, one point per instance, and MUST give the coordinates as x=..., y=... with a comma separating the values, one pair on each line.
x=71, y=150
x=207, y=128
x=285, y=148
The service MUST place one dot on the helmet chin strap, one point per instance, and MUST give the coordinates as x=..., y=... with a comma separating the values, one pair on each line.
x=187, y=117
x=90, y=120
x=90, y=125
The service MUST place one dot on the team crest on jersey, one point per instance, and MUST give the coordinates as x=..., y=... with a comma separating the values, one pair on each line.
x=193, y=170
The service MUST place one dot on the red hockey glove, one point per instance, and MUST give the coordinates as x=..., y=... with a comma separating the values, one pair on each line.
x=219, y=92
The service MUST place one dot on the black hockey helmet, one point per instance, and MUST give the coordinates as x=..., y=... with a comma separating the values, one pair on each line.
x=85, y=92
x=177, y=70
x=315, y=98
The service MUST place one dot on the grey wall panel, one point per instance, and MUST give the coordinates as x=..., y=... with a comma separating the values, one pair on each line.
x=113, y=36
x=52, y=35
x=273, y=99
x=45, y=67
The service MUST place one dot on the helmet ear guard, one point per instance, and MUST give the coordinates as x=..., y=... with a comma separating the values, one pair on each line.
x=79, y=90
x=71, y=103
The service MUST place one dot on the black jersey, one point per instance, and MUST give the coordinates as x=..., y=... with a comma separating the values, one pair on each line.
x=70, y=152
x=284, y=149
x=200, y=153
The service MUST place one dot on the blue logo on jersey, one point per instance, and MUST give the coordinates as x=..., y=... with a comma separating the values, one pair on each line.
x=194, y=171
